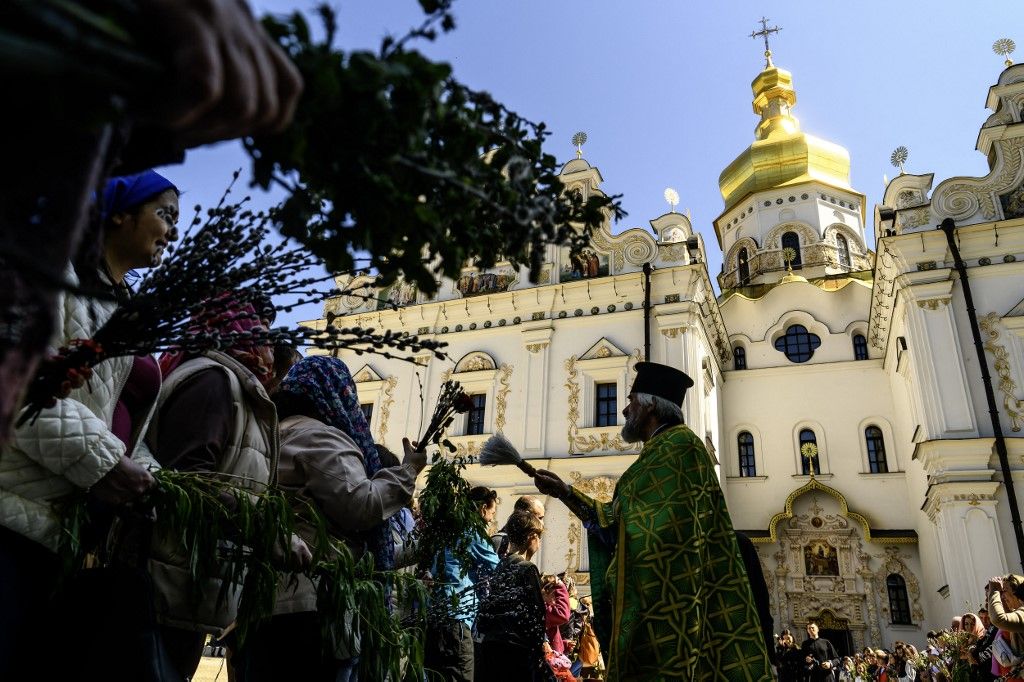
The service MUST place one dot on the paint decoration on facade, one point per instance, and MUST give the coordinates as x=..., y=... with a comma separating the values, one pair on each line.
x=387, y=400
x=610, y=439
x=1001, y=359
x=601, y=488
x=501, y=396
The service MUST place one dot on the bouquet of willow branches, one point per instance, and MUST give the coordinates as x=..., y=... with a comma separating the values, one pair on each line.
x=452, y=400
x=449, y=519
x=213, y=274
x=199, y=511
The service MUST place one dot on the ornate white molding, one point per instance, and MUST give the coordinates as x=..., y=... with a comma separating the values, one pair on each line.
x=893, y=564
x=609, y=439
x=974, y=200
x=933, y=303
x=387, y=400
x=601, y=488
x=501, y=396
x=1001, y=359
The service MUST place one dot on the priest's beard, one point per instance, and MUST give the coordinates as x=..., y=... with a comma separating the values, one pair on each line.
x=631, y=431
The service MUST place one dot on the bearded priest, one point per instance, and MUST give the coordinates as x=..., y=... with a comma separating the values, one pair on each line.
x=671, y=595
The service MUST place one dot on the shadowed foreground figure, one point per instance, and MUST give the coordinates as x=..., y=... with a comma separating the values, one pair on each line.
x=674, y=601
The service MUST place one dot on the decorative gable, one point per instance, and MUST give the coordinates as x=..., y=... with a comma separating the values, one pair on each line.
x=366, y=373
x=603, y=349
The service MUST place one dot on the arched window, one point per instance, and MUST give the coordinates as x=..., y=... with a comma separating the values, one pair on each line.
x=739, y=357
x=745, y=447
x=744, y=267
x=844, y=250
x=809, y=452
x=798, y=344
x=899, y=604
x=790, y=240
x=860, y=347
x=876, y=450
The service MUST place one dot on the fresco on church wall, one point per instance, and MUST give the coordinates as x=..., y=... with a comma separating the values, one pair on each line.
x=584, y=265
x=398, y=294
x=477, y=283
x=820, y=558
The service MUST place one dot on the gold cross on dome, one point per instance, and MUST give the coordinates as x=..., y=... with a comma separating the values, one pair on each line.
x=764, y=33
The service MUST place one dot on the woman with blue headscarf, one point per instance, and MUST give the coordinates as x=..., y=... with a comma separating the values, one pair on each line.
x=86, y=441
x=327, y=458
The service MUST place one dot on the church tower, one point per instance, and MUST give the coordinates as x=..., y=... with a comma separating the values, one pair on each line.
x=788, y=199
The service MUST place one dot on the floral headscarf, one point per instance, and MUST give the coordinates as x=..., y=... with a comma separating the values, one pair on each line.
x=327, y=384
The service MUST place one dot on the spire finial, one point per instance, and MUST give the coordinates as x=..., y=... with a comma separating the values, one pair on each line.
x=810, y=451
x=899, y=157
x=672, y=197
x=1004, y=47
x=578, y=140
x=789, y=255
x=764, y=33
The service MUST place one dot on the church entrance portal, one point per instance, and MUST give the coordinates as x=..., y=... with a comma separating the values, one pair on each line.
x=837, y=631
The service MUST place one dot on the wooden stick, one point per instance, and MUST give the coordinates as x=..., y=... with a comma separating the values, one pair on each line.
x=527, y=468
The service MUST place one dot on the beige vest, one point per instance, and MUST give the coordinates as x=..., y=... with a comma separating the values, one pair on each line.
x=249, y=459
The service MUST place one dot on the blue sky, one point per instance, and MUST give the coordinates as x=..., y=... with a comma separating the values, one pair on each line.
x=662, y=88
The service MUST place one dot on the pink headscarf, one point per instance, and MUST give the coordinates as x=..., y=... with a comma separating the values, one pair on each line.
x=978, y=630
x=235, y=318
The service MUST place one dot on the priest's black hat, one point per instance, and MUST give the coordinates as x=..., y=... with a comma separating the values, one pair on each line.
x=661, y=380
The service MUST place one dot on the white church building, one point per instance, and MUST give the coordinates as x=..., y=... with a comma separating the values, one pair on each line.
x=837, y=382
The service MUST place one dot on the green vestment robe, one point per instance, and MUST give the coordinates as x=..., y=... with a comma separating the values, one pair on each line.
x=670, y=590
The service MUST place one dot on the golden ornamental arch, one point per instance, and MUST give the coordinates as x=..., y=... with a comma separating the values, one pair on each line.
x=844, y=509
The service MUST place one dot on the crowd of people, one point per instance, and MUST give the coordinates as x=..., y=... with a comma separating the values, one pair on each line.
x=256, y=414
x=671, y=598
x=977, y=647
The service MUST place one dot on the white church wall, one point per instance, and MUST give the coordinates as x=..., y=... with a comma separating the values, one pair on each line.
x=830, y=314
x=776, y=402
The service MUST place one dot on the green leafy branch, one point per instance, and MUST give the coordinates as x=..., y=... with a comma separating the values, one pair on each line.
x=390, y=155
x=224, y=528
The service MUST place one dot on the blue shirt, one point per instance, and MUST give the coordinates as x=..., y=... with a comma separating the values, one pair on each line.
x=450, y=578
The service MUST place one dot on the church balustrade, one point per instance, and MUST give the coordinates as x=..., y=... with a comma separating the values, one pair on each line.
x=771, y=260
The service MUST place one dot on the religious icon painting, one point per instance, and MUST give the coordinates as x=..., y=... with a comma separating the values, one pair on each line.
x=820, y=558
x=478, y=283
x=397, y=294
x=583, y=265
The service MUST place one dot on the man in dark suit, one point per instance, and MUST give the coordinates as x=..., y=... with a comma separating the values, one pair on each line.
x=820, y=657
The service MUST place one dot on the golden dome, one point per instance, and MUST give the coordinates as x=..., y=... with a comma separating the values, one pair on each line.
x=781, y=154
x=792, y=277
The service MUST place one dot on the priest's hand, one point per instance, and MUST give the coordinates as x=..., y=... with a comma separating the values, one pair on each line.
x=550, y=484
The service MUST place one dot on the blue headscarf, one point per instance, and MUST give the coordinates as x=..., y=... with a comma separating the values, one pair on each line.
x=128, y=191
x=327, y=384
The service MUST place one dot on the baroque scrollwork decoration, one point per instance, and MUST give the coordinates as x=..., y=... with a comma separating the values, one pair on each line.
x=387, y=400
x=893, y=564
x=964, y=198
x=1001, y=359
x=501, y=397
x=600, y=488
x=581, y=444
x=468, y=449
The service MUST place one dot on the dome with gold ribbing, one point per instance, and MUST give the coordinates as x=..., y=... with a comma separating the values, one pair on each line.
x=781, y=154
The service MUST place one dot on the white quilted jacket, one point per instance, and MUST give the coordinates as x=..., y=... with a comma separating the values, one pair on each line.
x=70, y=445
